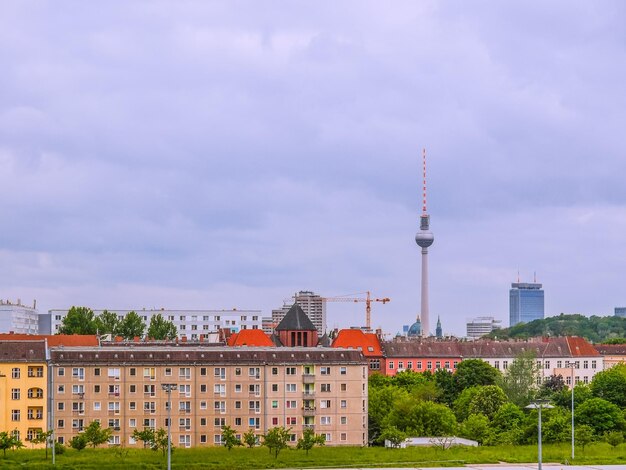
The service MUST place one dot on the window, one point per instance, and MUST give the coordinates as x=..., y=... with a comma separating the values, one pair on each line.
x=546, y=365
x=96, y=406
x=132, y=406
x=237, y=405
x=344, y=387
x=237, y=388
x=274, y=421
x=290, y=370
x=496, y=364
x=344, y=370
x=149, y=373
x=344, y=420
x=78, y=389
x=35, y=393
x=400, y=364
x=61, y=389
x=429, y=365
x=325, y=420
x=114, y=406
x=202, y=438
x=254, y=372
x=203, y=405
x=184, y=440
x=328, y=437
x=291, y=404
x=15, y=415
x=96, y=389
x=237, y=421
x=505, y=365
x=35, y=371
x=344, y=403
x=559, y=364
x=185, y=406
x=220, y=372
x=447, y=364
x=344, y=436
x=254, y=389
x=61, y=371
x=184, y=390
x=149, y=390
x=60, y=406
x=391, y=365
x=374, y=364
x=274, y=403
x=184, y=373
x=132, y=372
x=325, y=387
x=290, y=387
x=585, y=366
x=185, y=423
x=132, y=388
x=15, y=394
x=114, y=373
x=254, y=422
x=419, y=365
x=324, y=403
x=60, y=423
x=219, y=389
x=274, y=370
x=291, y=420
x=409, y=365
x=325, y=370
x=274, y=387
x=78, y=373
x=168, y=371
x=593, y=364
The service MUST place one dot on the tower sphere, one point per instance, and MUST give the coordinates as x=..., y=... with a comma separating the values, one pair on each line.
x=424, y=238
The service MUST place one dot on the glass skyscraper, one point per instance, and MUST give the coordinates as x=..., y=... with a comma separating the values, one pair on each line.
x=525, y=302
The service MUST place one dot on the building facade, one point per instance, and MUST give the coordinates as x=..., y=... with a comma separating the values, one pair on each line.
x=23, y=375
x=245, y=388
x=620, y=311
x=481, y=326
x=526, y=302
x=313, y=305
x=18, y=318
x=191, y=324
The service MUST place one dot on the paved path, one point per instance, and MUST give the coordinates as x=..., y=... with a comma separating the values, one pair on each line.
x=506, y=466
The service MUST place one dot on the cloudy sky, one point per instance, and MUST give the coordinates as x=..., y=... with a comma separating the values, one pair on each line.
x=226, y=154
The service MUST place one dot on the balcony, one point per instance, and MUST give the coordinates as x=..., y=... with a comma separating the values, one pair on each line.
x=188, y=410
x=149, y=411
x=308, y=394
x=308, y=410
x=308, y=426
x=308, y=378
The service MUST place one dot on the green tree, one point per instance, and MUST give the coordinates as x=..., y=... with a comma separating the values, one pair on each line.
x=78, y=442
x=393, y=435
x=614, y=438
x=487, y=401
x=446, y=384
x=378, y=380
x=9, y=441
x=107, y=323
x=131, y=326
x=250, y=438
x=43, y=438
x=583, y=435
x=508, y=417
x=381, y=403
x=160, y=441
x=96, y=435
x=551, y=386
x=78, y=321
x=603, y=416
x=461, y=405
x=409, y=380
x=610, y=385
x=582, y=393
x=229, y=438
x=309, y=440
x=146, y=436
x=520, y=378
x=476, y=427
x=160, y=328
x=276, y=439
x=422, y=418
x=473, y=372
x=557, y=425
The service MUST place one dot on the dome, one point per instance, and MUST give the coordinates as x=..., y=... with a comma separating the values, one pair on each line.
x=415, y=329
x=424, y=238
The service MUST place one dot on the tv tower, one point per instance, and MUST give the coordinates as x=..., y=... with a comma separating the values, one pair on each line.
x=424, y=238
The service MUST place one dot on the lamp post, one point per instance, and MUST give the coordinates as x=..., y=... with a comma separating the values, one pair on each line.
x=168, y=388
x=572, y=367
x=538, y=405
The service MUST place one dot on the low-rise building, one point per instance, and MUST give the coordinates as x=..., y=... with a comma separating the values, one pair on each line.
x=23, y=375
x=246, y=388
x=417, y=356
x=612, y=354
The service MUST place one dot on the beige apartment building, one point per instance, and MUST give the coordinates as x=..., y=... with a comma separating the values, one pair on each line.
x=245, y=388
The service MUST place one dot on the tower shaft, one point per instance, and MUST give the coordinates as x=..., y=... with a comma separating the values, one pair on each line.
x=425, y=314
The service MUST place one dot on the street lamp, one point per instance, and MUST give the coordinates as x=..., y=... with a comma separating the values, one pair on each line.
x=572, y=364
x=168, y=388
x=538, y=405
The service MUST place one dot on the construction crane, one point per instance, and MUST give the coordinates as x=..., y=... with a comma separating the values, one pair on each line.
x=349, y=298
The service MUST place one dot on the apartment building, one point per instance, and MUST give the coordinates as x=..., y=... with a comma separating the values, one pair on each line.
x=191, y=324
x=18, y=318
x=245, y=388
x=23, y=376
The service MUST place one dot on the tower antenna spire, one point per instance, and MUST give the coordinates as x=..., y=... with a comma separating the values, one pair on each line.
x=424, y=185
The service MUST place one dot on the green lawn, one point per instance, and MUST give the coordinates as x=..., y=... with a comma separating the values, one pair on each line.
x=243, y=458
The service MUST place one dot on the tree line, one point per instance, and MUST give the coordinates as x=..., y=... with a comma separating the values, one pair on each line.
x=83, y=321
x=595, y=329
x=479, y=402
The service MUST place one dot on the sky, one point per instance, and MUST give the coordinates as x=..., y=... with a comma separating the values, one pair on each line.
x=218, y=155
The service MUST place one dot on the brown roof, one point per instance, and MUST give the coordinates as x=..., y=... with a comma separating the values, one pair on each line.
x=419, y=349
x=611, y=349
x=581, y=347
x=197, y=355
x=355, y=339
x=22, y=351
x=542, y=348
x=53, y=340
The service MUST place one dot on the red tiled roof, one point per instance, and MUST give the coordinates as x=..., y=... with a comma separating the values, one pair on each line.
x=353, y=339
x=53, y=340
x=250, y=338
x=581, y=347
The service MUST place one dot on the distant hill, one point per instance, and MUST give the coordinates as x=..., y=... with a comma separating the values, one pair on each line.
x=594, y=328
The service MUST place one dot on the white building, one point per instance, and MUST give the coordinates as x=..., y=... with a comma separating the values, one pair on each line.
x=18, y=318
x=312, y=304
x=189, y=323
x=480, y=326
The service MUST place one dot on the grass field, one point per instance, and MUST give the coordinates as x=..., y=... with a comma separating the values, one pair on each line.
x=241, y=458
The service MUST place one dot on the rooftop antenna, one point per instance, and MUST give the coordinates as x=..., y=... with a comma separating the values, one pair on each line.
x=424, y=191
x=535, y=277
x=518, y=275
